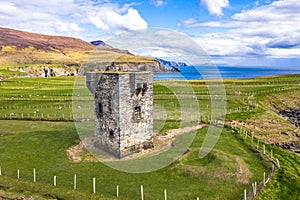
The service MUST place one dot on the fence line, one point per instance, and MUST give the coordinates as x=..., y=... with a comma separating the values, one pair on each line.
x=256, y=188
x=94, y=185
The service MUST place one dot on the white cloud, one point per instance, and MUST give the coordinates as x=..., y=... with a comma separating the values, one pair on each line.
x=98, y=22
x=156, y=53
x=9, y=9
x=70, y=17
x=41, y=17
x=65, y=27
x=215, y=6
x=109, y=19
x=188, y=22
x=158, y=3
x=271, y=31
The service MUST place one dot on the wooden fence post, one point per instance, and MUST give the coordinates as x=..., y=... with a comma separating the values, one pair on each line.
x=142, y=192
x=34, y=175
x=264, y=180
x=271, y=154
x=253, y=189
x=278, y=164
x=94, y=185
x=117, y=191
x=75, y=182
x=54, y=181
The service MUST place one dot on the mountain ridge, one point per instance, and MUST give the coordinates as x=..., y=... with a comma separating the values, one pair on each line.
x=20, y=47
x=22, y=39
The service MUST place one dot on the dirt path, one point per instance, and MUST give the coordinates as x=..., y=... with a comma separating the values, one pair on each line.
x=174, y=132
x=243, y=173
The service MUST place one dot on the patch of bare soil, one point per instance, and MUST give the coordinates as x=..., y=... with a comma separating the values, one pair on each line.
x=272, y=130
x=243, y=174
x=269, y=130
x=19, y=198
x=79, y=153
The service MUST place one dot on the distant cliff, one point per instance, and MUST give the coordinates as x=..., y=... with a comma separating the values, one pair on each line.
x=172, y=63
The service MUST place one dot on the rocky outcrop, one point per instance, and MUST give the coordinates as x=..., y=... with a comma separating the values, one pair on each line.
x=171, y=64
x=153, y=66
x=292, y=146
x=292, y=114
x=48, y=71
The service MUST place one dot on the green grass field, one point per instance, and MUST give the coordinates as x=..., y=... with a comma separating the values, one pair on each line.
x=44, y=147
x=26, y=142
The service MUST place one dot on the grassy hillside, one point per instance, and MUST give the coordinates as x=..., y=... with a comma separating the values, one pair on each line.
x=10, y=55
x=19, y=48
x=223, y=174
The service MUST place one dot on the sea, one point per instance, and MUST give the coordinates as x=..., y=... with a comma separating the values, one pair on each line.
x=224, y=72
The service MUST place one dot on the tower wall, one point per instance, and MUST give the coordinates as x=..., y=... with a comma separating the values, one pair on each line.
x=136, y=102
x=106, y=113
x=123, y=111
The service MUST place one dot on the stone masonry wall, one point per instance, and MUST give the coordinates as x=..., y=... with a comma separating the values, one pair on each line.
x=107, y=129
x=123, y=111
x=136, y=134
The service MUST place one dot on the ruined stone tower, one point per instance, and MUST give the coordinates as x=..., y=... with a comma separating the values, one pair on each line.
x=123, y=111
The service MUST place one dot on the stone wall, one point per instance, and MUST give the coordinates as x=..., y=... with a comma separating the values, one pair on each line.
x=107, y=113
x=137, y=104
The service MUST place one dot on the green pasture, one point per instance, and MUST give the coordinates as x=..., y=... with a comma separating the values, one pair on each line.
x=26, y=142
x=42, y=145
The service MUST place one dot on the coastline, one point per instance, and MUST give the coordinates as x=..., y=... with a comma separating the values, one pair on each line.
x=225, y=72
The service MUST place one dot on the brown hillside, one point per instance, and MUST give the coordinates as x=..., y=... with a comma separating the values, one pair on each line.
x=21, y=39
x=19, y=47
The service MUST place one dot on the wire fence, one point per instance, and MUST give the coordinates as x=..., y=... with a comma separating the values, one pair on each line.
x=261, y=149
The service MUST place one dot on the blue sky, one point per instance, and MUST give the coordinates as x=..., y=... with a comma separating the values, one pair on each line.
x=232, y=32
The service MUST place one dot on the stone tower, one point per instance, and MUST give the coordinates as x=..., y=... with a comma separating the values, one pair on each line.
x=123, y=111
